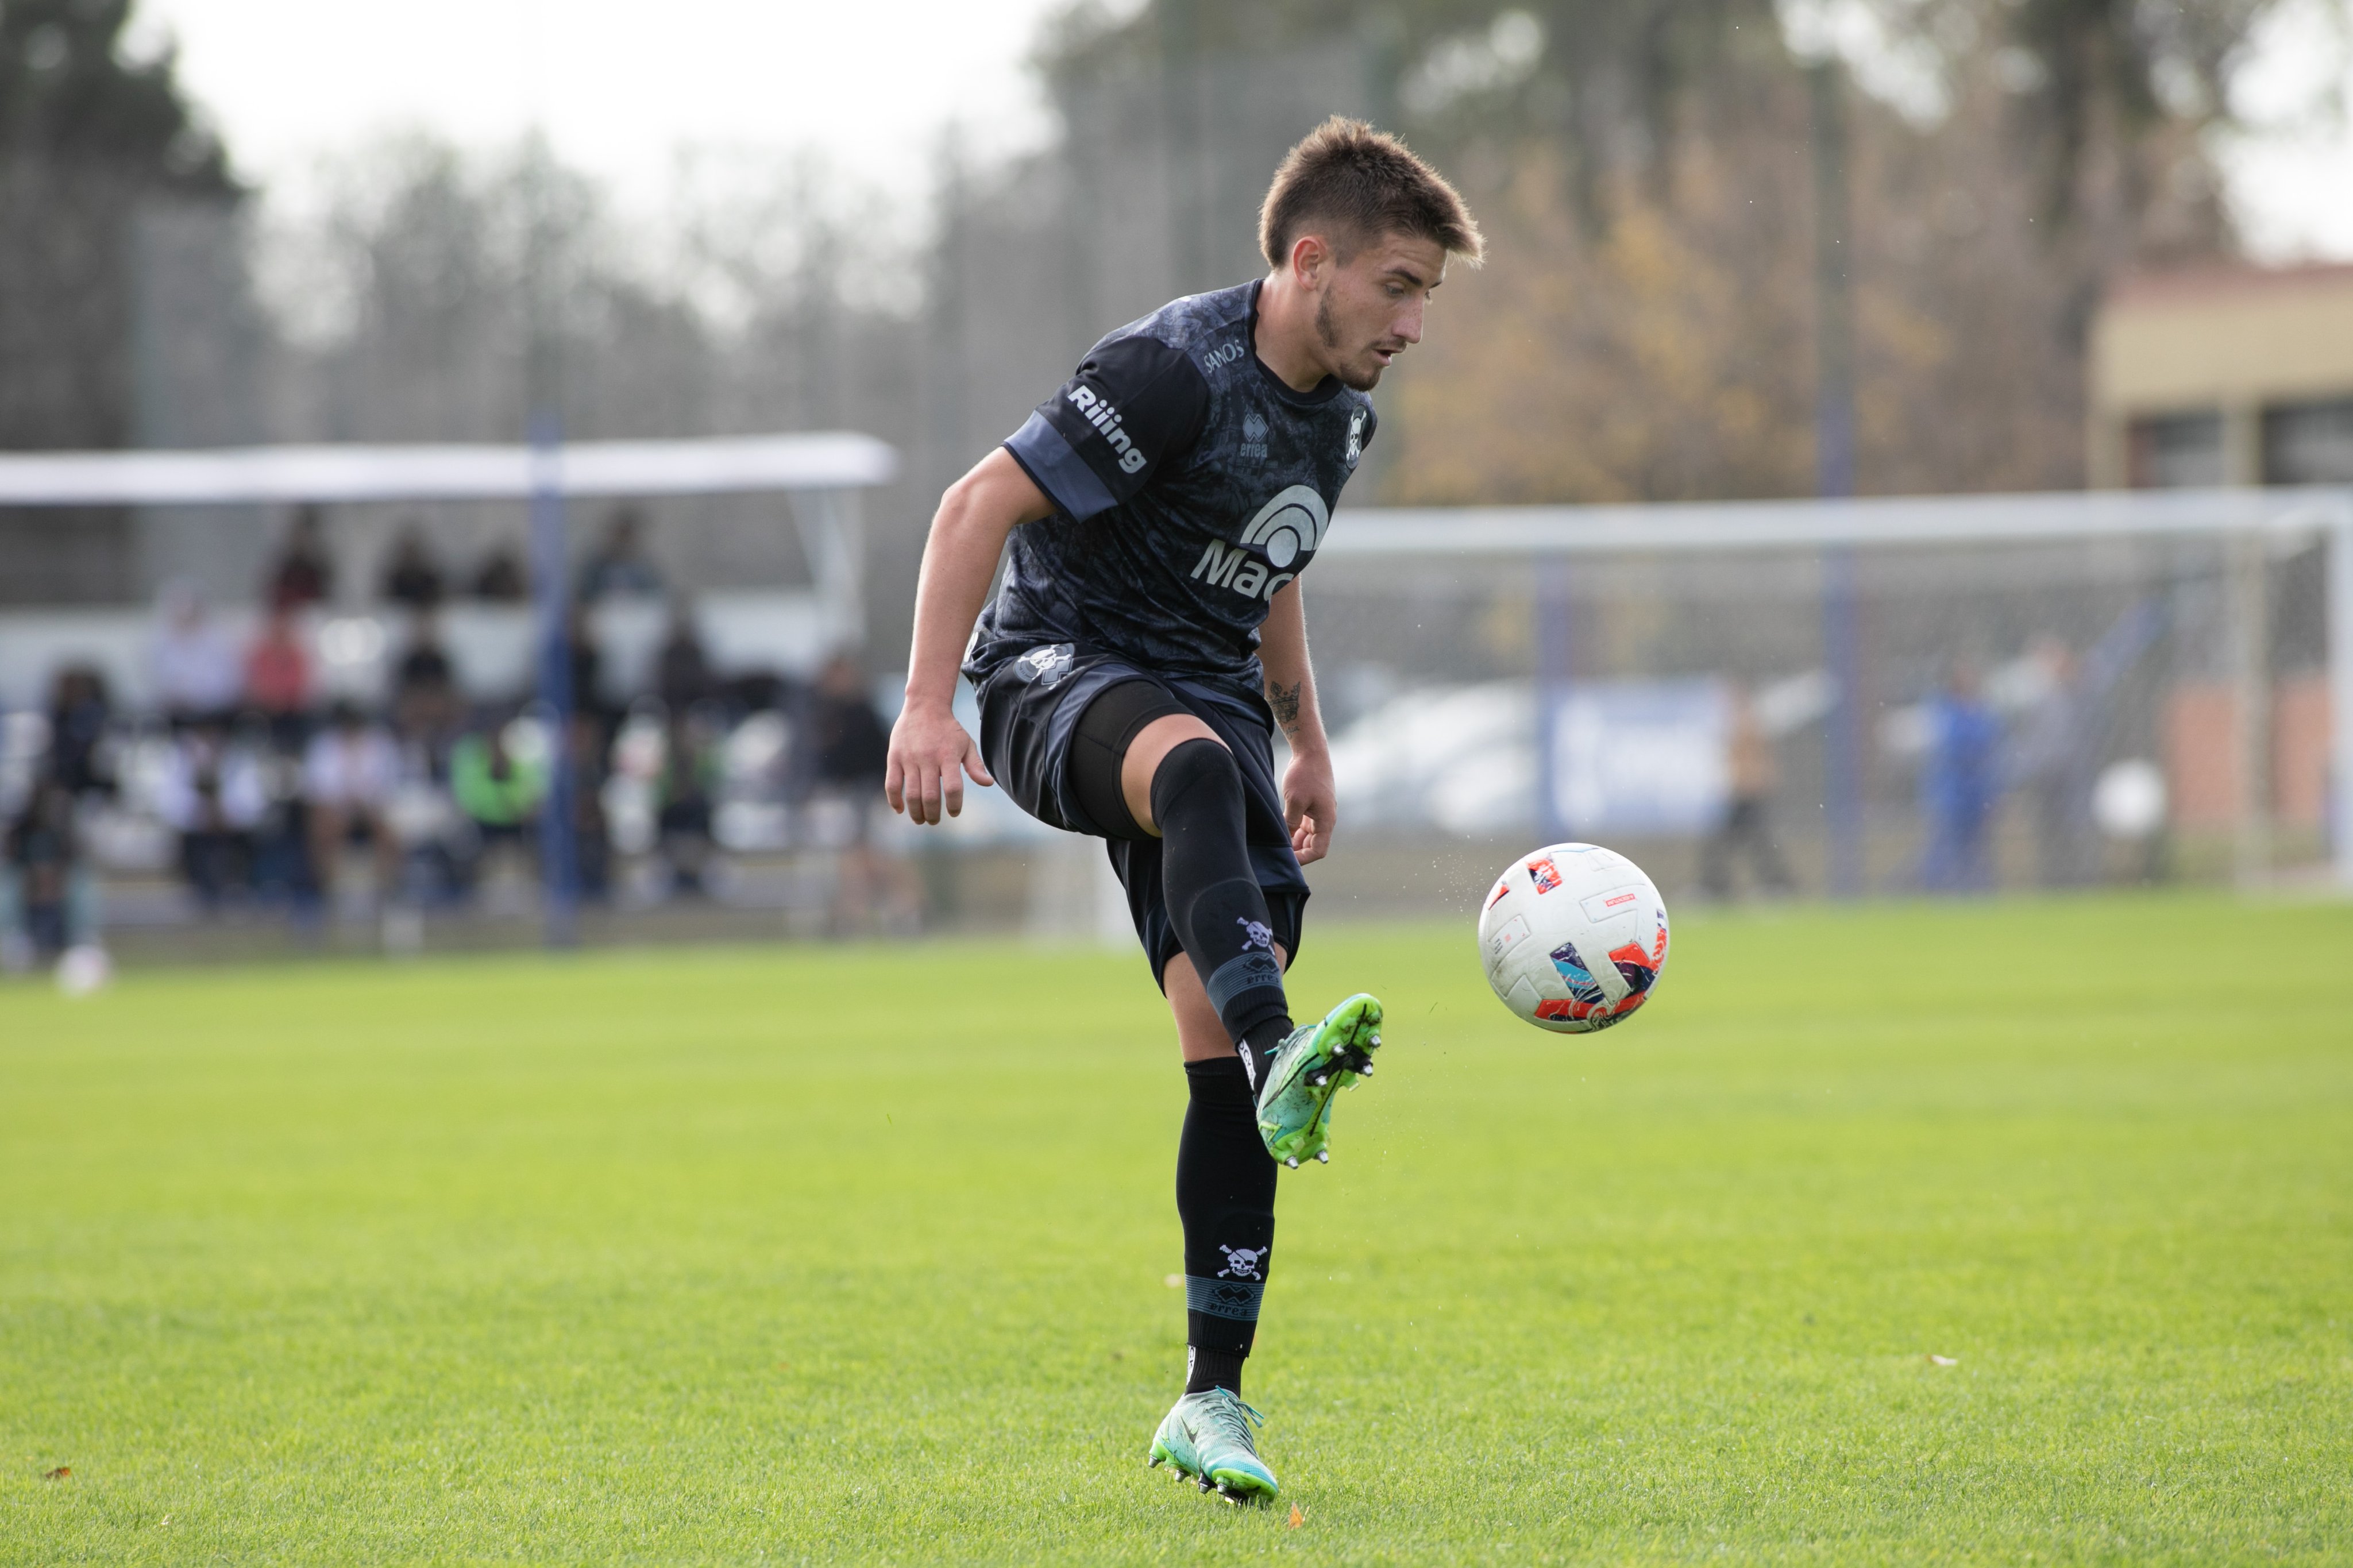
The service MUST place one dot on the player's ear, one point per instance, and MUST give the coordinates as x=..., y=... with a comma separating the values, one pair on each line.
x=1311, y=254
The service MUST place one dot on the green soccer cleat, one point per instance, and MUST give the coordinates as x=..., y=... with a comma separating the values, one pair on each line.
x=1315, y=1062
x=1206, y=1439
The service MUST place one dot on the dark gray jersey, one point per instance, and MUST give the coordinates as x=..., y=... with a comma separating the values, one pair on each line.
x=1190, y=484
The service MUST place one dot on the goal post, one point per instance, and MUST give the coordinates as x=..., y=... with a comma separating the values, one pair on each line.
x=2216, y=557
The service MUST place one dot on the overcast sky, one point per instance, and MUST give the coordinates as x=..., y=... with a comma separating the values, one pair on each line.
x=622, y=85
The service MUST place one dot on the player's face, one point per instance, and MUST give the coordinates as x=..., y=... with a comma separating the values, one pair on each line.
x=1370, y=311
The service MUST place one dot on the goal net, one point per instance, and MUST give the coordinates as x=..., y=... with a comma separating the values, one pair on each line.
x=1945, y=695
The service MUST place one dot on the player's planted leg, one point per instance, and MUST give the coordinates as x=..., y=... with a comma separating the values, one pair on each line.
x=1206, y=1438
x=1315, y=1062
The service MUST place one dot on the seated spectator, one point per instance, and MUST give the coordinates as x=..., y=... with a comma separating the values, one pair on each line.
x=350, y=772
x=44, y=893
x=424, y=686
x=620, y=568
x=591, y=842
x=303, y=575
x=212, y=793
x=684, y=792
x=412, y=578
x=588, y=662
x=682, y=670
x=79, y=754
x=197, y=672
x=850, y=746
x=278, y=673
x=499, y=792
x=499, y=579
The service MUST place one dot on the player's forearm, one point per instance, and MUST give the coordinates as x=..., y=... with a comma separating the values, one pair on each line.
x=1290, y=679
x=1292, y=698
x=967, y=535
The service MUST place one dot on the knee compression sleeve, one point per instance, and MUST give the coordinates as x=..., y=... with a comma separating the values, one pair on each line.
x=1214, y=901
x=1225, y=1195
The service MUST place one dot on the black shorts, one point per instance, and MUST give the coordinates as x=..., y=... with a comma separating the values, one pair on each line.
x=1029, y=711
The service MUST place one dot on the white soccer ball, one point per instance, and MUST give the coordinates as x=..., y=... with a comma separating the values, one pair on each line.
x=1573, y=937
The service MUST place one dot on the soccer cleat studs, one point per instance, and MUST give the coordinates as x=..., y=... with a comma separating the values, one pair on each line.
x=1322, y=1156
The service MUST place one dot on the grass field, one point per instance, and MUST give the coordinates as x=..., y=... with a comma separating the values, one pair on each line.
x=824, y=1254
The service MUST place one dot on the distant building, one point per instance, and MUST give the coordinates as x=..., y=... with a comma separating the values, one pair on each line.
x=2224, y=376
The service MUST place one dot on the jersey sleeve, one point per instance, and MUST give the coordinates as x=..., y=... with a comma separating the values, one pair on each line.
x=1135, y=406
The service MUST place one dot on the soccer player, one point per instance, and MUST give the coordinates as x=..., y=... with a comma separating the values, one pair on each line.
x=1146, y=639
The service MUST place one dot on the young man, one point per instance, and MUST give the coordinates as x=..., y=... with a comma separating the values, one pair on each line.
x=1148, y=637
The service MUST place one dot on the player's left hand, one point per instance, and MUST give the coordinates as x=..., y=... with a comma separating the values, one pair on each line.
x=1311, y=805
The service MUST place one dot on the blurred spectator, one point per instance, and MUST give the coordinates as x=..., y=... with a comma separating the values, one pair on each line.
x=1751, y=774
x=587, y=667
x=350, y=773
x=278, y=674
x=78, y=715
x=850, y=746
x=2052, y=763
x=47, y=897
x=424, y=696
x=592, y=841
x=196, y=669
x=499, y=791
x=304, y=574
x=500, y=578
x=683, y=795
x=412, y=578
x=682, y=670
x=1960, y=783
x=620, y=568
x=212, y=793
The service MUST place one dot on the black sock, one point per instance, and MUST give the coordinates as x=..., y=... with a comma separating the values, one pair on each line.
x=1225, y=1195
x=1214, y=900
x=1207, y=1369
x=1257, y=1048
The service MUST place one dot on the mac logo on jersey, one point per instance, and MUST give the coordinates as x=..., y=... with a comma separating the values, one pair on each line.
x=1290, y=525
x=1285, y=528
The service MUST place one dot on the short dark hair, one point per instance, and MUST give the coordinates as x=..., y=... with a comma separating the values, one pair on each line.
x=1367, y=184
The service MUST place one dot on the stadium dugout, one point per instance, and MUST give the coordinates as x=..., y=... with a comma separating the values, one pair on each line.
x=822, y=474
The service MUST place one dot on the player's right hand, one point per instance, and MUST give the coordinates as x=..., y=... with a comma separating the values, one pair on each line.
x=931, y=755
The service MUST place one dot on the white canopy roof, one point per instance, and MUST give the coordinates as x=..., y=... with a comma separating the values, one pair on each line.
x=829, y=460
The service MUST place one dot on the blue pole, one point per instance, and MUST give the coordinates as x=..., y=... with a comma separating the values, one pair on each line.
x=551, y=591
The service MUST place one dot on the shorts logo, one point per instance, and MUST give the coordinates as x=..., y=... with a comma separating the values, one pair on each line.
x=1286, y=529
x=1047, y=666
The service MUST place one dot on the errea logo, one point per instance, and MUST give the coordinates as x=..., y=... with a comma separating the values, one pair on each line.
x=1099, y=413
x=1285, y=528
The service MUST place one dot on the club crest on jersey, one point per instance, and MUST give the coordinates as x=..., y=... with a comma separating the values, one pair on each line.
x=1356, y=437
x=1098, y=411
x=1286, y=528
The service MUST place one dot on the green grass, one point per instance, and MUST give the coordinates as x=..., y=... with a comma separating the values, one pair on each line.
x=821, y=1254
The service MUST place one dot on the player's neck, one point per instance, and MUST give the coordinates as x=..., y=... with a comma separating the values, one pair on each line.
x=1286, y=340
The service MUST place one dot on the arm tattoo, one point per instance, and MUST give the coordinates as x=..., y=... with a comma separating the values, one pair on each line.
x=1285, y=701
